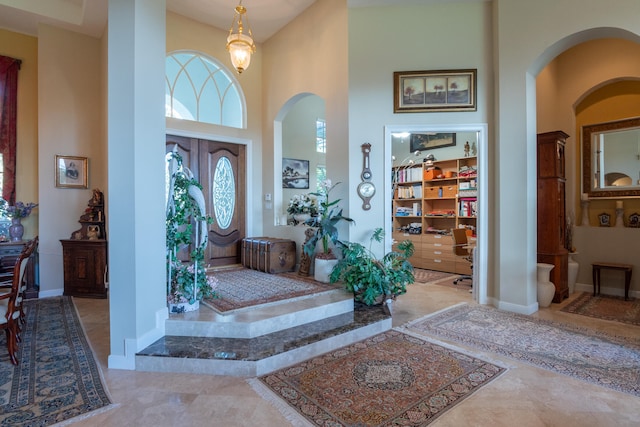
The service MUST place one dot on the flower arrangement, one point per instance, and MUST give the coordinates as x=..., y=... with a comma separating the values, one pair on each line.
x=326, y=222
x=183, y=277
x=19, y=210
x=187, y=282
x=302, y=204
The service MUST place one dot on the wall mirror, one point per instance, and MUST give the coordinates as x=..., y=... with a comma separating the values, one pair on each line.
x=611, y=159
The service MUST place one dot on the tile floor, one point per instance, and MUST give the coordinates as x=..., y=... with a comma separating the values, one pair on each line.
x=524, y=396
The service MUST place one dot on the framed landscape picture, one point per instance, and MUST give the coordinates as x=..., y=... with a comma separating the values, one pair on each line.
x=295, y=173
x=434, y=91
x=427, y=141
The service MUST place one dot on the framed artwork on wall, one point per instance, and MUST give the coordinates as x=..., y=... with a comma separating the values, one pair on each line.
x=295, y=173
x=71, y=172
x=434, y=91
x=427, y=141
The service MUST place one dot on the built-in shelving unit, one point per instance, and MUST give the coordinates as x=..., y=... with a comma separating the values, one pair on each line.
x=429, y=200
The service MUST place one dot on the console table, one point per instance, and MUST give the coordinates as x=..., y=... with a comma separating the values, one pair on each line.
x=9, y=252
x=597, y=266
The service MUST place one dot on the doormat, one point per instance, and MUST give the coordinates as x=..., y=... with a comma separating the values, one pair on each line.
x=606, y=307
x=241, y=288
x=57, y=379
x=587, y=355
x=392, y=378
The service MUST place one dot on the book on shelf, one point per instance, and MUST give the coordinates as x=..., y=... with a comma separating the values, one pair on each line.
x=410, y=192
x=467, y=206
x=409, y=174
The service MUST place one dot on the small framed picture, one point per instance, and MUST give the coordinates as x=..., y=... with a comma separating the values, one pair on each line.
x=295, y=173
x=634, y=220
x=427, y=141
x=605, y=220
x=71, y=172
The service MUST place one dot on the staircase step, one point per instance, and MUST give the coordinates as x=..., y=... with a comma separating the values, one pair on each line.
x=265, y=353
x=260, y=320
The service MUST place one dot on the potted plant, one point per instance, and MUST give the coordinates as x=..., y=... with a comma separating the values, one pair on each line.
x=373, y=280
x=16, y=213
x=187, y=282
x=325, y=225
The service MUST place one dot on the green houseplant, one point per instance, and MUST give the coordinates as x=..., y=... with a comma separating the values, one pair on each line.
x=187, y=282
x=325, y=223
x=325, y=226
x=374, y=280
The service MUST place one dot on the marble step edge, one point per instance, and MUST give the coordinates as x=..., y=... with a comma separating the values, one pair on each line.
x=244, y=368
x=262, y=321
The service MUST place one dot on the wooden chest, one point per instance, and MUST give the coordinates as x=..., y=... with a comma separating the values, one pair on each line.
x=268, y=254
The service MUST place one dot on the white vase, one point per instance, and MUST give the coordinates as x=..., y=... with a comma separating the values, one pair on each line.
x=323, y=269
x=573, y=273
x=546, y=289
x=301, y=217
x=183, y=307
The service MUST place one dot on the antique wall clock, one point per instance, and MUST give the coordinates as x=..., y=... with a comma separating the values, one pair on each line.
x=366, y=189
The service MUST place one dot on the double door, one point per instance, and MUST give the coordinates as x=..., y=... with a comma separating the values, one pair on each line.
x=221, y=170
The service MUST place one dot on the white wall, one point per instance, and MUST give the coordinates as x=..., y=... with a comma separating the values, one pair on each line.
x=404, y=38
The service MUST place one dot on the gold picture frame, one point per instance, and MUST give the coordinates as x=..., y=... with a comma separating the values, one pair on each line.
x=434, y=91
x=71, y=171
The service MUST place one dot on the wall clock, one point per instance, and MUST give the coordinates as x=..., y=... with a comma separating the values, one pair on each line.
x=366, y=189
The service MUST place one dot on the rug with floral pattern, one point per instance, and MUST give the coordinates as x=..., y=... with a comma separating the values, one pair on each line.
x=57, y=378
x=390, y=379
x=242, y=288
x=596, y=357
x=606, y=307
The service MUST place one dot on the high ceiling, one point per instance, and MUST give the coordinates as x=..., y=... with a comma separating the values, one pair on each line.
x=89, y=17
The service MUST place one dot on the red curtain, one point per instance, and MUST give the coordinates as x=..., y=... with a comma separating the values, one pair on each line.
x=8, y=111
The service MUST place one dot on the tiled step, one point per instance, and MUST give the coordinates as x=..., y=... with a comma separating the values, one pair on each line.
x=260, y=320
x=262, y=354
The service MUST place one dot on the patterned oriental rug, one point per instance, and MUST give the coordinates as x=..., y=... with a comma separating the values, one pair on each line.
x=606, y=307
x=599, y=358
x=390, y=379
x=240, y=288
x=57, y=379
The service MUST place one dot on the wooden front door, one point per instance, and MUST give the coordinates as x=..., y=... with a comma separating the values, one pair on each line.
x=221, y=170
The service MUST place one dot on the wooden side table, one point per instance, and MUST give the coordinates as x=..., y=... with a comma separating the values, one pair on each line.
x=597, y=266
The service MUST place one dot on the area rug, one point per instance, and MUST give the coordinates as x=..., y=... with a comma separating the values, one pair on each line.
x=57, y=379
x=391, y=379
x=429, y=276
x=606, y=307
x=241, y=288
x=587, y=355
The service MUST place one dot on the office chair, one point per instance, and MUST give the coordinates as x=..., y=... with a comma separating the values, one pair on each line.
x=459, y=242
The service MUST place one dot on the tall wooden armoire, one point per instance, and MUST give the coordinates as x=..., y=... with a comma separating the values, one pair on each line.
x=552, y=210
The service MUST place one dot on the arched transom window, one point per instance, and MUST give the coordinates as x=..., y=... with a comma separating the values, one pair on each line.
x=199, y=88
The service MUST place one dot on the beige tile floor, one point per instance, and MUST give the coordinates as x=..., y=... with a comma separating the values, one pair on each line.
x=524, y=396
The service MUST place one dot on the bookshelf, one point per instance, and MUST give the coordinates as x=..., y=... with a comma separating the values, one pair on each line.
x=431, y=199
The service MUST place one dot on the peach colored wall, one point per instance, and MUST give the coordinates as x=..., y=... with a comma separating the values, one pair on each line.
x=25, y=48
x=70, y=122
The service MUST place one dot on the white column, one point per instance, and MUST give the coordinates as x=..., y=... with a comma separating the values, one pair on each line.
x=136, y=126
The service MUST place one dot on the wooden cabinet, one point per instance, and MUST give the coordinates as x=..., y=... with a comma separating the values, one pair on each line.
x=431, y=199
x=9, y=252
x=552, y=209
x=85, y=253
x=85, y=266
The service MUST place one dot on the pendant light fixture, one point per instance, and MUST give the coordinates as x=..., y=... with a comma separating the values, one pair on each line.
x=240, y=45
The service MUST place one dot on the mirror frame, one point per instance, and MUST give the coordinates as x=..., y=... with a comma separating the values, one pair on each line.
x=587, y=172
